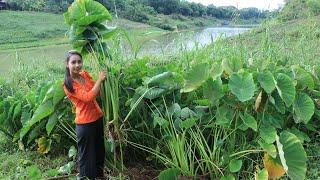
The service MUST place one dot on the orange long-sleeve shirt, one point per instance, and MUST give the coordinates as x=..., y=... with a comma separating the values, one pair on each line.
x=87, y=108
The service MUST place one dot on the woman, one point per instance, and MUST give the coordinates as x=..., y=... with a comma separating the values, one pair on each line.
x=82, y=90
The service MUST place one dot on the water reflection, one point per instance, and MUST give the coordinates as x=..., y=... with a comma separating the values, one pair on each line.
x=186, y=40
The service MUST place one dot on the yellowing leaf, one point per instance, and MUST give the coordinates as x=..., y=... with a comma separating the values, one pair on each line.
x=275, y=169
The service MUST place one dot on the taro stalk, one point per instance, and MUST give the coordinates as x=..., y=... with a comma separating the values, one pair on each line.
x=88, y=35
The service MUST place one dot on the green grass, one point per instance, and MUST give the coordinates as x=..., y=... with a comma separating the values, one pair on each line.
x=20, y=28
x=293, y=42
x=15, y=164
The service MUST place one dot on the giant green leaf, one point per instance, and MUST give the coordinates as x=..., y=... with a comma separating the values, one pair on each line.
x=232, y=65
x=304, y=79
x=249, y=121
x=187, y=113
x=224, y=115
x=188, y=123
x=292, y=155
x=303, y=108
x=160, y=78
x=267, y=133
x=286, y=89
x=52, y=121
x=216, y=70
x=269, y=148
x=58, y=94
x=212, y=90
x=196, y=77
x=267, y=81
x=242, y=86
x=85, y=12
x=44, y=110
x=276, y=100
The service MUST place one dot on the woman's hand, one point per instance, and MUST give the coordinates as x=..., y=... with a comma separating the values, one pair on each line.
x=103, y=75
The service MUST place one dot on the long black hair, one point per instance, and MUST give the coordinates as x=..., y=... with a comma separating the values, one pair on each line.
x=67, y=76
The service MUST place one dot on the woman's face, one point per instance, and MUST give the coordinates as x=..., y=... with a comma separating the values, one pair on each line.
x=74, y=64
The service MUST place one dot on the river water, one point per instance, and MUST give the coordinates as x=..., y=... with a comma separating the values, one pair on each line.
x=172, y=42
x=165, y=44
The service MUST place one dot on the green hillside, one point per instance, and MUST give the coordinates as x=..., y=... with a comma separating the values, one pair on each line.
x=292, y=42
x=25, y=29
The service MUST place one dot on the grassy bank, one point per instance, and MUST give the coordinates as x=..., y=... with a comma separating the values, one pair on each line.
x=24, y=29
x=292, y=42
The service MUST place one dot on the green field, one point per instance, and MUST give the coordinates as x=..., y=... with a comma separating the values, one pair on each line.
x=230, y=110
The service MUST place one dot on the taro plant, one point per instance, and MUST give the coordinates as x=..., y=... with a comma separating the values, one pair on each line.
x=280, y=105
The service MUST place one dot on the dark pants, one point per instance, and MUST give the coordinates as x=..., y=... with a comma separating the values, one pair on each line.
x=90, y=141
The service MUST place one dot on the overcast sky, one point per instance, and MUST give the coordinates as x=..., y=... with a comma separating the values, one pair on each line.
x=260, y=4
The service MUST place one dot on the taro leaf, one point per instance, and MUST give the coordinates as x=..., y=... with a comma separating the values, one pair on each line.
x=44, y=145
x=273, y=166
x=268, y=133
x=304, y=79
x=286, y=89
x=72, y=152
x=303, y=108
x=52, y=121
x=224, y=115
x=160, y=121
x=169, y=174
x=292, y=155
x=175, y=110
x=25, y=116
x=187, y=113
x=188, y=123
x=242, y=85
x=44, y=92
x=151, y=93
x=301, y=135
x=275, y=121
x=278, y=103
x=195, y=77
x=229, y=177
x=160, y=78
x=34, y=172
x=66, y=169
x=44, y=110
x=85, y=12
x=58, y=94
x=269, y=148
x=261, y=175
x=249, y=121
x=212, y=90
x=216, y=70
x=17, y=111
x=267, y=81
x=35, y=131
x=232, y=65
x=107, y=34
x=235, y=165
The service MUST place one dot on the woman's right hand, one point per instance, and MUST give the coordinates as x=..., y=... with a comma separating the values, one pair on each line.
x=102, y=75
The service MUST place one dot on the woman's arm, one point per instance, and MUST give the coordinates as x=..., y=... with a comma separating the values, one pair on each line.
x=82, y=95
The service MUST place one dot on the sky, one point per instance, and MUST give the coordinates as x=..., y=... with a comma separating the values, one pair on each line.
x=260, y=4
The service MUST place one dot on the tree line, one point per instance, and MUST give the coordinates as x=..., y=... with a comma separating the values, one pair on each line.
x=140, y=10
